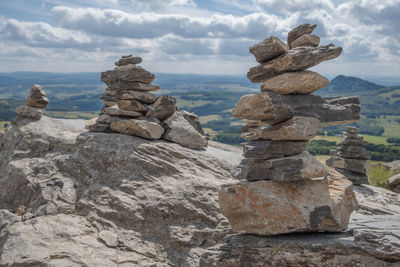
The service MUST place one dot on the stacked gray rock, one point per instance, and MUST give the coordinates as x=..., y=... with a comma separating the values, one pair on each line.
x=131, y=107
x=280, y=121
x=350, y=158
x=35, y=104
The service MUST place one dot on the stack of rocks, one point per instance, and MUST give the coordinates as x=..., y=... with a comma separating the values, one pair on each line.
x=35, y=104
x=351, y=157
x=287, y=189
x=131, y=108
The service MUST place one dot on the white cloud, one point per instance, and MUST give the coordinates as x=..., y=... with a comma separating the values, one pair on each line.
x=288, y=6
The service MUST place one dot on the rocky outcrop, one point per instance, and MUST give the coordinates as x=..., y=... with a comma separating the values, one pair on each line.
x=131, y=109
x=394, y=183
x=350, y=158
x=35, y=104
x=120, y=200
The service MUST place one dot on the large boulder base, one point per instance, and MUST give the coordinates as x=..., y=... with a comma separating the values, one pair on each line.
x=161, y=200
x=299, y=58
x=272, y=208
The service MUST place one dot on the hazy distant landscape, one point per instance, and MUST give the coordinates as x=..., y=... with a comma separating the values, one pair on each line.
x=212, y=97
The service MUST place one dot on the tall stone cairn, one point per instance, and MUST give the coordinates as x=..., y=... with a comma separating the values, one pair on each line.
x=131, y=107
x=350, y=158
x=284, y=188
x=35, y=104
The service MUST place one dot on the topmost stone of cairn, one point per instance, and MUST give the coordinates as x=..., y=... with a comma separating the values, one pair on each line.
x=128, y=59
x=299, y=31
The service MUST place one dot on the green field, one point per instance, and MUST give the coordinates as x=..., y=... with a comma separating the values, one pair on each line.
x=369, y=138
x=71, y=115
x=208, y=118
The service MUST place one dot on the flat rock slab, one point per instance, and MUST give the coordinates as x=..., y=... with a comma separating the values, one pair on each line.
x=141, y=128
x=355, y=177
x=295, y=59
x=116, y=95
x=180, y=131
x=116, y=111
x=274, y=108
x=128, y=60
x=306, y=40
x=273, y=149
x=296, y=128
x=134, y=86
x=272, y=208
x=300, y=30
x=285, y=169
x=354, y=165
x=352, y=151
x=30, y=112
x=268, y=49
x=297, y=83
x=132, y=105
x=126, y=74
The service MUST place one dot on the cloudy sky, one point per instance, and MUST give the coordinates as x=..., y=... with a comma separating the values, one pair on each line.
x=192, y=36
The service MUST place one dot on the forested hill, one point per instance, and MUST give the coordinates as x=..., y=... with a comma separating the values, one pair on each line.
x=349, y=85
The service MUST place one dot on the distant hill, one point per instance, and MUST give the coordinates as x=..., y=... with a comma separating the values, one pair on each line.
x=349, y=85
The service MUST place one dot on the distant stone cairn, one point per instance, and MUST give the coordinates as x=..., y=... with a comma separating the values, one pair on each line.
x=131, y=108
x=35, y=104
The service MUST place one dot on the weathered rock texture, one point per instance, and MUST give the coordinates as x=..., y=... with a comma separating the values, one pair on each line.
x=100, y=199
x=350, y=158
x=268, y=208
x=35, y=104
x=286, y=189
x=128, y=100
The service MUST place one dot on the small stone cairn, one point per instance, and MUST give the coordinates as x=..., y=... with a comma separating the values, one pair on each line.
x=284, y=188
x=35, y=104
x=350, y=158
x=131, y=108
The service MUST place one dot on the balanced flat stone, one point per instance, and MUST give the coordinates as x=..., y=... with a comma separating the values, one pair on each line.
x=135, y=86
x=180, y=131
x=255, y=123
x=352, y=130
x=354, y=165
x=144, y=97
x=299, y=82
x=354, y=177
x=37, y=103
x=296, y=59
x=273, y=149
x=132, y=105
x=306, y=40
x=30, y=112
x=274, y=108
x=128, y=60
x=108, y=119
x=141, y=128
x=116, y=111
x=299, y=31
x=352, y=151
x=126, y=74
x=164, y=107
x=268, y=49
x=358, y=140
x=296, y=128
x=272, y=208
x=285, y=169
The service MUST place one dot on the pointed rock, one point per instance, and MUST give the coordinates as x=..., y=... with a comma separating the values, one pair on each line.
x=306, y=40
x=300, y=83
x=180, y=131
x=268, y=49
x=164, y=107
x=273, y=149
x=296, y=128
x=299, y=31
x=194, y=120
x=296, y=59
x=285, y=169
x=272, y=208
